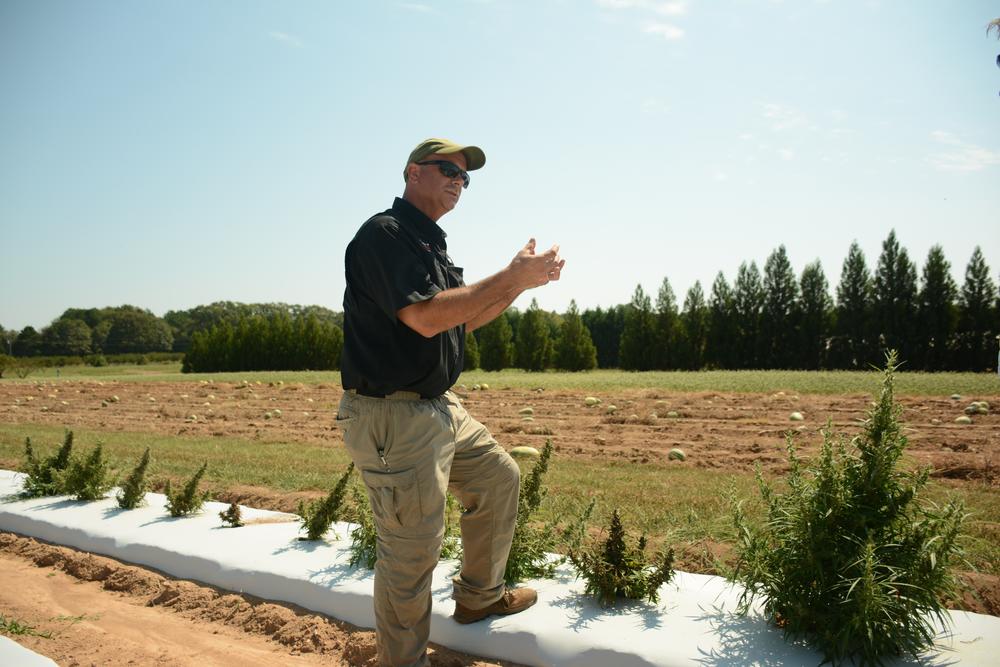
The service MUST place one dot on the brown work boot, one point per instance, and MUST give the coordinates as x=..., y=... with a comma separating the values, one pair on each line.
x=512, y=601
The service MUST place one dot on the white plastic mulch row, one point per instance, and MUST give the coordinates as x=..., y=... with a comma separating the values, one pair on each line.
x=13, y=654
x=694, y=623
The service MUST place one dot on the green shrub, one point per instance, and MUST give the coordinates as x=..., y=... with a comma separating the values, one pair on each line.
x=43, y=474
x=96, y=360
x=613, y=569
x=232, y=517
x=189, y=500
x=133, y=491
x=89, y=478
x=319, y=515
x=846, y=558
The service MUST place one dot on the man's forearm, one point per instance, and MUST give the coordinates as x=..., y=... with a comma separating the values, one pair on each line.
x=460, y=305
x=492, y=312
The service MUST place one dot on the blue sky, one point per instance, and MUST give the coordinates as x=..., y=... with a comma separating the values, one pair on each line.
x=171, y=154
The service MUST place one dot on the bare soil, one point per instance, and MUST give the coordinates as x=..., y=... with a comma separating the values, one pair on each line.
x=92, y=610
x=723, y=431
x=147, y=618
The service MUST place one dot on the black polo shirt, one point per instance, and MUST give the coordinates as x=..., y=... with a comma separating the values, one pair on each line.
x=397, y=258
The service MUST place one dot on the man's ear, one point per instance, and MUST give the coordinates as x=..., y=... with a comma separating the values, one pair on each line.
x=412, y=172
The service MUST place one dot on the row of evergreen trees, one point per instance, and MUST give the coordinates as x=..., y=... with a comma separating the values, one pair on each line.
x=258, y=342
x=774, y=319
x=769, y=319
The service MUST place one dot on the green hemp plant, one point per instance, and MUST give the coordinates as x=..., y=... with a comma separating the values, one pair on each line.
x=133, y=491
x=88, y=479
x=189, y=500
x=531, y=543
x=319, y=515
x=232, y=517
x=613, y=569
x=43, y=474
x=364, y=537
x=846, y=558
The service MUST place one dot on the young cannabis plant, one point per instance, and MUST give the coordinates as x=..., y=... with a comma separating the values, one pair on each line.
x=363, y=535
x=846, y=557
x=531, y=543
x=189, y=500
x=318, y=516
x=613, y=569
x=89, y=479
x=133, y=491
x=232, y=517
x=43, y=474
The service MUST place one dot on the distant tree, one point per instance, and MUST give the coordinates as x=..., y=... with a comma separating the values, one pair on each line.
x=575, y=350
x=7, y=338
x=976, y=327
x=667, y=327
x=28, y=343
x=99, y=335
x=6, y=361
x=721, y=345
x=606, y=328
x=266, y=343
x=748, y=303
x=693, y=329
x=895, y=299
x=513, y=316
x=136, y=330
x=937, y=312
x=496, y=351
x=779, y=315
x=854, y=347
x=471, y=359
x=533, y=345
x=639, y=340
x=66, y=338
x=816, y=313
x=184, y=323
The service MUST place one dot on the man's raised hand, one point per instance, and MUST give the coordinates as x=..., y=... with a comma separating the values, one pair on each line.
x=535, y=270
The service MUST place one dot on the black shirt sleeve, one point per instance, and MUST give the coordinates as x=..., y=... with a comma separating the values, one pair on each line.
x=387, y=267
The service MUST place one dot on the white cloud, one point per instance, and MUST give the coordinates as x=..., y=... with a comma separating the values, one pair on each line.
x=285, y=38
x=667, y=30
x=782, y=117
x=654, y=106
x=658, y=7
x=720, y=175
x=672, y=8
x=961, y=156
x=786, y=153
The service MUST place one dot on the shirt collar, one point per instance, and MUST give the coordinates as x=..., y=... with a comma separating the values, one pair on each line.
x=412, y=215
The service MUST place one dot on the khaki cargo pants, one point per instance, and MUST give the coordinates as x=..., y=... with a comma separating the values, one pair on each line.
x=410, y=451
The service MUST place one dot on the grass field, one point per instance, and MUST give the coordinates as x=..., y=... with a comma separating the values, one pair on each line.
x=808, y=382
x=671, y=504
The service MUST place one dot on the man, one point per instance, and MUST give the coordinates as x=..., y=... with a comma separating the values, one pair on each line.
x=406, y=313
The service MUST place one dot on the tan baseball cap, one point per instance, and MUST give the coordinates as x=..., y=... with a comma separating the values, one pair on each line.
x=475, y=158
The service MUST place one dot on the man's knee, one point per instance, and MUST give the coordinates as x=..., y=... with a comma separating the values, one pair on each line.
x=508, y=473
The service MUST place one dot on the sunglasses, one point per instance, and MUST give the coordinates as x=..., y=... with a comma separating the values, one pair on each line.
x=450, y=170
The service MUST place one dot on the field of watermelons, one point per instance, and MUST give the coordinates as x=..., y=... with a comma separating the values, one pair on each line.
x=270, y=440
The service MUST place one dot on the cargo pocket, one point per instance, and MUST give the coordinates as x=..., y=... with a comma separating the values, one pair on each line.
x=395, y=497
